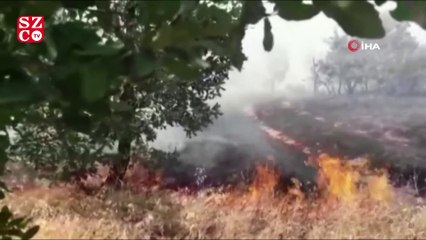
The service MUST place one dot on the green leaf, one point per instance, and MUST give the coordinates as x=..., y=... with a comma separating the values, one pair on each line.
x=3, y=186
x=357, y=18
x=295, y=10
x=5, y=215
x=50, y=45
x=120, y=107
x=76, y=120
x=42, y=8
x=17, y=222
x=104, y=16
x=268, y=38
x=3, y=160
x=215, y=21
x=78, y=4
x=238, y=59
x=158, y=11
x=144, y=64
x=30, y=233
x=184, y=32
x=252, y=12
x=8, y=62
x=2, y=35
x=101, y=50
x=187, y=6
x=214, y=46
x=95, y=82
x=16, y=92
x=11, y=12
x=414, y=11
x=237, y=55
x=380, y=2
x=181, y=69
x=71, y=36
x=4, y=143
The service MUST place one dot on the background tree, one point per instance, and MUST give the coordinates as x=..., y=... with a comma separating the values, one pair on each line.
x=396, y=69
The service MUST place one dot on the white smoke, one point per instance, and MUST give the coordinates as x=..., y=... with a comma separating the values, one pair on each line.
x=284, y=72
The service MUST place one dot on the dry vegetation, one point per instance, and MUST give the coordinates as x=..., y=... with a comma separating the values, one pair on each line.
x=342, y=209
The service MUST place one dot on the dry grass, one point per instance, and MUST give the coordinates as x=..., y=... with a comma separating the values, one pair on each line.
x=63, y=212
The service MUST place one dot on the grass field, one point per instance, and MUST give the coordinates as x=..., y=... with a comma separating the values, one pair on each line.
x=351, y=203
x=340, y=211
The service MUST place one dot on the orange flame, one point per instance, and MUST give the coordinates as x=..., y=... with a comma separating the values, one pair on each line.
x=264, y=183
x=379, y=187
x=344, y=179
x=337, y=178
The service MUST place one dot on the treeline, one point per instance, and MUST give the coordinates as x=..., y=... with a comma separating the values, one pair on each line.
x=397, y=69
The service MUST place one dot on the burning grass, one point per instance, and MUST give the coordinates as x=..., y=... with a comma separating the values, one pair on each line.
x=352, y=201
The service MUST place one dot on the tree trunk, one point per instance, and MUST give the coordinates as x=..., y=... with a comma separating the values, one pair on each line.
x=315, y=87
x=316, y=80
x=351, y=85
x=120, y=166
x=121, y=163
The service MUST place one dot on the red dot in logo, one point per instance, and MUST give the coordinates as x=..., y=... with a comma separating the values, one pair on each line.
x=354, y=45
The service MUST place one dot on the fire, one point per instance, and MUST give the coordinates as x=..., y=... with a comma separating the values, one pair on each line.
x=280, y=136
x=265, y=181
x=337, y=178
x=344, y=180
x=349, y=180
x=379, y=187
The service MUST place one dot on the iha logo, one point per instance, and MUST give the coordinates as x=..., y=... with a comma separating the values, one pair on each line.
x=355, y=45
x=30, y=29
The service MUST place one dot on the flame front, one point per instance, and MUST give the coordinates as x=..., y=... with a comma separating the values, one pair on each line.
x=343, y=180
x=337, y=178
x=348, y=180
x=379, y=187
x=264, y=182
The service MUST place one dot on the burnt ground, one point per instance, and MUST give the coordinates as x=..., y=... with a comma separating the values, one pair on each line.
x=391, y=132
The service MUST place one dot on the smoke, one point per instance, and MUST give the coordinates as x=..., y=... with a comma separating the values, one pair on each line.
x=234, y=141
x=281, y=74
x=265, y=76
x=257, y=82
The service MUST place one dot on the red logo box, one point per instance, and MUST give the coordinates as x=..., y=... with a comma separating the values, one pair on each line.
x=30, y=29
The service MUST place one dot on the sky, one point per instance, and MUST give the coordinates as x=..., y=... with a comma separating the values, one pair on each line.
x=296, y=44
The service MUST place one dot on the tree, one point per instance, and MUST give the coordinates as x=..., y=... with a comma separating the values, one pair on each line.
x=395, y=69
x=115, y=69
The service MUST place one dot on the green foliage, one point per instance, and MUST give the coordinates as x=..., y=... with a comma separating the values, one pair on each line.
x=411, y=11
x=268, y=39
x=347, y=15
x=12, y=227
x=15, y=227
x=45, y=144
x=295, y=10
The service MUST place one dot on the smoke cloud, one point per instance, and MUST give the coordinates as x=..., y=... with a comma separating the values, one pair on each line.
x=284, y=73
